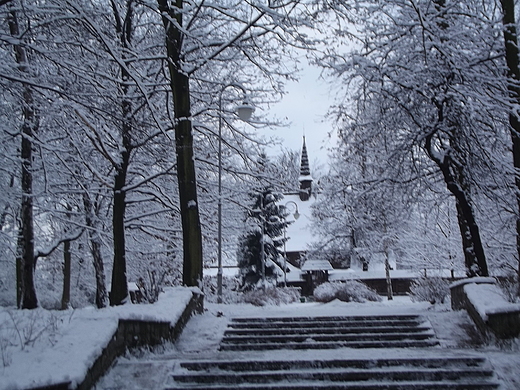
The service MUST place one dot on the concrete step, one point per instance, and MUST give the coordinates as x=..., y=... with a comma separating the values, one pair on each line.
x=280, y=365
x=312, y=337
x=446, y=385
x=323, y=330
x=398, y=317
x=330, y=345
x=324, y=322
x=396, y=373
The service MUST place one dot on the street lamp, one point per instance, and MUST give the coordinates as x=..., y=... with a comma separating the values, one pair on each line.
x=296, y=215
x=244, y=111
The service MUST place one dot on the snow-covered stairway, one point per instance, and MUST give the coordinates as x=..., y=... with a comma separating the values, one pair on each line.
x=356, y=352
x=365, y=373
x=398, y=331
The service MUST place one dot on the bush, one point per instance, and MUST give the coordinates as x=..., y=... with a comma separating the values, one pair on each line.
x=433, y=290
x=272, y=296
x=350, y=291
x=230, y=287
x=231, y=293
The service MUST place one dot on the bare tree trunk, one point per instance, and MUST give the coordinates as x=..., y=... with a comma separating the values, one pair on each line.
x=513, y=73
x=186, y=176
x=95, y=250
x=30, y=125
x=389, y=290
x=65, y=296
x=119, y=290
x=19, y=267
x=474, y=255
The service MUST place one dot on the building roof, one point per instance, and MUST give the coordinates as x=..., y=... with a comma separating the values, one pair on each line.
x=317, y=265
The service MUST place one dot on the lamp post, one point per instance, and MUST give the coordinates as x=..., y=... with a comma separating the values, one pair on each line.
x=296, y=216
x=262, y=244
x=244, y=111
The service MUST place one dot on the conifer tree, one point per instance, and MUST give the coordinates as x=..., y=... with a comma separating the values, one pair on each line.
x=265, y=224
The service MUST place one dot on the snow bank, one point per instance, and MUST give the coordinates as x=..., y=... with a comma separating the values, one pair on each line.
x=83, y=337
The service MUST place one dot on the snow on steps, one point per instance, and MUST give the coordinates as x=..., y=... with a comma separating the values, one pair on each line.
x=312, y=367
x=327, y=333
x=392, y=373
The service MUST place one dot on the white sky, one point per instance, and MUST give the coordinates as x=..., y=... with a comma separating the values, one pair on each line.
x=304, y=108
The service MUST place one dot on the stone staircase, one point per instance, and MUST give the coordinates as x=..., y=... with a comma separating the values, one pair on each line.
x=328, y=332
x=394, y=373
x=320, y=353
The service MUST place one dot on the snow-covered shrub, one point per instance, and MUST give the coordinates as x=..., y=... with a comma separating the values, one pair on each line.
x=230, y=290
x=22, y=329
x=433, y=290
x=232, y=293
x=349, y=291
x=272, y=296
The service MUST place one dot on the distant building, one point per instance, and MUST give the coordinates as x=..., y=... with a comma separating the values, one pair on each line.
x=298, y=232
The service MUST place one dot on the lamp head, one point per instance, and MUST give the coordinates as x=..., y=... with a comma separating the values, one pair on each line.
x=245, y=111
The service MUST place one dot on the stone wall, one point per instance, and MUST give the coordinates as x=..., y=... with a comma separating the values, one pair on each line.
x=487, y=307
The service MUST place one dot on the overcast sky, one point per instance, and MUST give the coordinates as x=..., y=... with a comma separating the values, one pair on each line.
x=304, y=107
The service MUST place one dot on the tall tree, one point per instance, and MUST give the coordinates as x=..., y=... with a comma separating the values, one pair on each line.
x=433, y=97
x=513, y=72
x=172, y=17
x=93, y=231
x=124, y=25
x=26, y=261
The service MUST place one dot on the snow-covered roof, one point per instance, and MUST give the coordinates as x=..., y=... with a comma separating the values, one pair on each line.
x=353, y=274
x=305, y=178
x=299, y=233
x=317, y=265
x=229, y=272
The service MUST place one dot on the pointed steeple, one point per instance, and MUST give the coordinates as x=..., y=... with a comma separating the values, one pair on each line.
x=305, y=170
x=305, y=175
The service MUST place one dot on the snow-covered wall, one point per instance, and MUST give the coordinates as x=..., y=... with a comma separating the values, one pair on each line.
x=487, y=306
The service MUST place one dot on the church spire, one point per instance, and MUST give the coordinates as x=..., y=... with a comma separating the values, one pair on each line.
x=305, y=170
x=305, y=175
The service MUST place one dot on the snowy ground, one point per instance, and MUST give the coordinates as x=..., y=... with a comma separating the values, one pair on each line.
x=203, y=333
x=40, y=347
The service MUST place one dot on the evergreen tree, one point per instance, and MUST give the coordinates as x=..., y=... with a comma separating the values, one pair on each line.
x=265, y=224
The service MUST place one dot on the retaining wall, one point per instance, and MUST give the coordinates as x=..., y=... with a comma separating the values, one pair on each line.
x=132, y=334
x=487, y=307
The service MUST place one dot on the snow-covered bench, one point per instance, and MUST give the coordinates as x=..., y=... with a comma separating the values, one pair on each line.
x=487, y=306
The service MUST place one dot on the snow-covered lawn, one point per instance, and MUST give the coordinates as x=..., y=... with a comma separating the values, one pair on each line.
x=42, y=347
